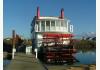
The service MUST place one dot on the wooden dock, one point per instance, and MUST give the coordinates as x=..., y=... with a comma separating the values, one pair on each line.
x=25, y=62
x=83, y=67
x=29, y=62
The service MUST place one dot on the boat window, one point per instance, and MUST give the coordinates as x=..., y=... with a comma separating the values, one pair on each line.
x=42, y=25
x=37, y=27
x=62, y=23
x=52, y=25
x=47, y=25
x=58, y=25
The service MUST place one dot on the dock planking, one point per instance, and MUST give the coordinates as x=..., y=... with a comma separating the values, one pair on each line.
x=24, y=62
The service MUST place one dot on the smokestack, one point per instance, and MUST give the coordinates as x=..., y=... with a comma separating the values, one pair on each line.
x=38, y=12
x=62, y=13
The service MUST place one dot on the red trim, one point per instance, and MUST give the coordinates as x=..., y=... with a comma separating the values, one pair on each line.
x=57, y=35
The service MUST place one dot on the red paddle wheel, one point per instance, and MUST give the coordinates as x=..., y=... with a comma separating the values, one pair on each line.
x=57, y=48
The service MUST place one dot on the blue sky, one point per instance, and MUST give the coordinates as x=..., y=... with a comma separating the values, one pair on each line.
x=18, y=14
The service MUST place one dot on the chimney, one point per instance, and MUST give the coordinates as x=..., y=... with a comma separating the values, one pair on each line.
x=38, y=12
x=62, y=13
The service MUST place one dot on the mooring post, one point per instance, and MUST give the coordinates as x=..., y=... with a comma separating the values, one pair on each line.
x=13, y=44
x=36, y=53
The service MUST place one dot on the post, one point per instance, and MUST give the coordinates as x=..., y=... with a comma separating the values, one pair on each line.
x=71, y=28
x=67, y=25
x=13, y=44
x=45, y=26
x=40, y=26
x=50, y=26
x=36, y=53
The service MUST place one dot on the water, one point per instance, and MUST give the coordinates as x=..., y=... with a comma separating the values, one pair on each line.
x=86, y=57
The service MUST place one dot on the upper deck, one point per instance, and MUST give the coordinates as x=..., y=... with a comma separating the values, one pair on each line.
x=51, y=23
